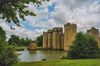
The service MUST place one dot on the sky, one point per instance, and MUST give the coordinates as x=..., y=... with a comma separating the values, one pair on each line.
x=56, y=13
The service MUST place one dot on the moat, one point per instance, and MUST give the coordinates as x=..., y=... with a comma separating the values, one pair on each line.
x=38, y=55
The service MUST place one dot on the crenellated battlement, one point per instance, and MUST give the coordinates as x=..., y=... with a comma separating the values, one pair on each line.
x=70, y=26
x=67, y=25
x=49, y=31
x=57, y=29
x=93, y=29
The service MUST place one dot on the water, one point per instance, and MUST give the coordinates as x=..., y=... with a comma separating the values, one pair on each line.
x=38, y=55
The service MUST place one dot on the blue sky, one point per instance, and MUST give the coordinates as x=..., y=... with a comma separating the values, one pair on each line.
x=56, y=13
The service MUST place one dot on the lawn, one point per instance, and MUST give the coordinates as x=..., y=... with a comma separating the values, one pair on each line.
x=20, y=48
x=84, y=62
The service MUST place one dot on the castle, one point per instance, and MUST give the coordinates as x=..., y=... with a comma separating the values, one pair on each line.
x=56, y=38
x=32, y=45
x=94, y=33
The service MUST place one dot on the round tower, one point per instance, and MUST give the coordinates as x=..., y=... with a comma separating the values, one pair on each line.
x=45, y=40
x=49, y=39
x=70, y=31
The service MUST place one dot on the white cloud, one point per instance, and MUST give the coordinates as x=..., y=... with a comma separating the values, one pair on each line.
x=85, y=13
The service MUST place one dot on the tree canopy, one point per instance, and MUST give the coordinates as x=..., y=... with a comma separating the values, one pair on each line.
x=84, y=47
x=39, y=41
x=11, y=9
x=16, y=40
x=7, y=54
x=2, y=35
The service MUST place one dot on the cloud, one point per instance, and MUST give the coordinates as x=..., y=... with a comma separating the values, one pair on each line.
x=84, y=13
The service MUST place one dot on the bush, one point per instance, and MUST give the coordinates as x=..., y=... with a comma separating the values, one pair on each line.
x=84, y=47
x=7, y=54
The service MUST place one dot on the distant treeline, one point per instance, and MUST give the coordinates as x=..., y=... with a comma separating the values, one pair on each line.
x=16, y=40
x=39, y=41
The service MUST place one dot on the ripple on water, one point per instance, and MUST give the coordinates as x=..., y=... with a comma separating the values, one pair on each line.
x=38, y=55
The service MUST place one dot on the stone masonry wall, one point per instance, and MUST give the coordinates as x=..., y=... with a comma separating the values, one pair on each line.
x=45, y=40
x=70, y=31
x=95, y=33
x=49, y=39
x=55, y=38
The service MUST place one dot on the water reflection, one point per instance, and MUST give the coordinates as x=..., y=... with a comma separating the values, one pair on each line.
x=38, y=55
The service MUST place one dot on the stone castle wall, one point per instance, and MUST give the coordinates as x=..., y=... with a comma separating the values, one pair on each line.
x=70, y=31
x=99, y=42
x=32, y=46
x=95, y=33
x=55, y=38
x=49, y=39
x=61, y=39
x=45, y=40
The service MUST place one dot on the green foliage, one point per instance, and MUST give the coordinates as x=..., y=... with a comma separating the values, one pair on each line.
x=2, y=35
x=15, y=40
x=84, y=47
x=11, y=9
x=39, y=41
x=26, y=41
x=7, y=55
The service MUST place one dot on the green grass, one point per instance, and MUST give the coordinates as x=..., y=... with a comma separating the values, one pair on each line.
x=19, y=48
x=84, y=62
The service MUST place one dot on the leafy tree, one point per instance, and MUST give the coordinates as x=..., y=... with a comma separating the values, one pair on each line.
x=28, y=41
x=39, y=41
x=2, y=35
x=19, y=41
x=22, y=41
x=25, y=42
x=84, y=47
x=7, y=54
x=14, y=40
x=10, y=9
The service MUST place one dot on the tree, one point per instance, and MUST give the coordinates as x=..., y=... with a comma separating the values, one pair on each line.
x=39, y=41
x=10, y=9
x=27, y=41
x=14, y=40
x=19, y=41
x=7, y=54
x=84, y=47
x=2, y=35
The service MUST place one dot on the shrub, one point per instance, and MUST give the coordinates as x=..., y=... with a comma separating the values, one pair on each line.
x=84, y=47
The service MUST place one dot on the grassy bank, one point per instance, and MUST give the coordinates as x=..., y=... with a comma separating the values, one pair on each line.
x=85, y=62
x=20, y=48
